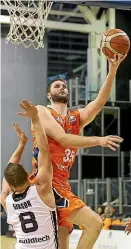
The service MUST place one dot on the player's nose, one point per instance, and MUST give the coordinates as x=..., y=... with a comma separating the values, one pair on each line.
x=61, y=88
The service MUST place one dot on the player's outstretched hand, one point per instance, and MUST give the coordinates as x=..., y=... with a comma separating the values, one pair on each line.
x=22, y=137
x=128, y=227
x=114, y=63
x=112, y=142
x=30, y=109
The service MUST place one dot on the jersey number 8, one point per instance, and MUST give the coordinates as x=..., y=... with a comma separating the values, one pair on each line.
x=26, y=219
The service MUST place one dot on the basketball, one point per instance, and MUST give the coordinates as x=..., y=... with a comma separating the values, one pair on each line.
x=115, y=41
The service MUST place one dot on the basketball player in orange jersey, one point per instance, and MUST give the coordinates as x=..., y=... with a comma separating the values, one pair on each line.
x=62, y=128
x=60, y=124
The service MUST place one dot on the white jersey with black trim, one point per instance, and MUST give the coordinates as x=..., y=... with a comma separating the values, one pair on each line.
x=34, y=223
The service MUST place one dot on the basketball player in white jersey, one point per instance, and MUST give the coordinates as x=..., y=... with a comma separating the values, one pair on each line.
x=31, y=209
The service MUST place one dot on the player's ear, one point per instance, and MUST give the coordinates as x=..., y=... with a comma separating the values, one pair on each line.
x=49, y=96
x=12, y=188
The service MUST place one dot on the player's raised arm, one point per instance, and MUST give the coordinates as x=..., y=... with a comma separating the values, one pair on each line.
x=44, y=176
x=15, y=158
x=45, y=172
x=88, y=113
x=56, y=132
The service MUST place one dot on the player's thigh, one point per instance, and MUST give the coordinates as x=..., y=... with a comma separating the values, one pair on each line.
x=85, y=217
x=63, y=237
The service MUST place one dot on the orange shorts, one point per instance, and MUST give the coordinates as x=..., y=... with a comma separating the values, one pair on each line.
x=66, y=202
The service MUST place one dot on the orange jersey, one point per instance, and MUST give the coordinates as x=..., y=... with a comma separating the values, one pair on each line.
x=62, y=161
x=62, y=158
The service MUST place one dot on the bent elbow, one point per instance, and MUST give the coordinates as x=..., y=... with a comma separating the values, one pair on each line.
x=63, y=141
x=69, y=141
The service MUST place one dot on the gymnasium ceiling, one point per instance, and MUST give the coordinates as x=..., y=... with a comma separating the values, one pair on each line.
x=67, y=50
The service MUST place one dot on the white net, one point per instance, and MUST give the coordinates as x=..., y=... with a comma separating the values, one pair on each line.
x=27, y=21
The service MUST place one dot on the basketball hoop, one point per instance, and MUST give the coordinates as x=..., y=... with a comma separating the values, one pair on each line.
x=27, y=21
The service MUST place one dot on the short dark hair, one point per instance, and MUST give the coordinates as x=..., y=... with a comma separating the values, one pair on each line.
x=15, y=175
x=56, y=79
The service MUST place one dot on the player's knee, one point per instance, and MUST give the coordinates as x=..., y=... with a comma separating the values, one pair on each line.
x=98, y=224
x=95, y=223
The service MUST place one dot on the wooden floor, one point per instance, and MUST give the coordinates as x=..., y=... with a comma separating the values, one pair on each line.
x=7, y=243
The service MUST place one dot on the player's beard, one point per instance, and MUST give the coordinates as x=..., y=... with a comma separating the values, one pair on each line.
x=59, y=98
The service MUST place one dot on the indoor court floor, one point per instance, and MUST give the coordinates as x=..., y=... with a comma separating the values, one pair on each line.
x=7, y=243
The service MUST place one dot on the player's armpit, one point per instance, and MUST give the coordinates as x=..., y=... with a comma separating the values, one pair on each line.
x=44, y=189
x=46, y=196
x=43, y=181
